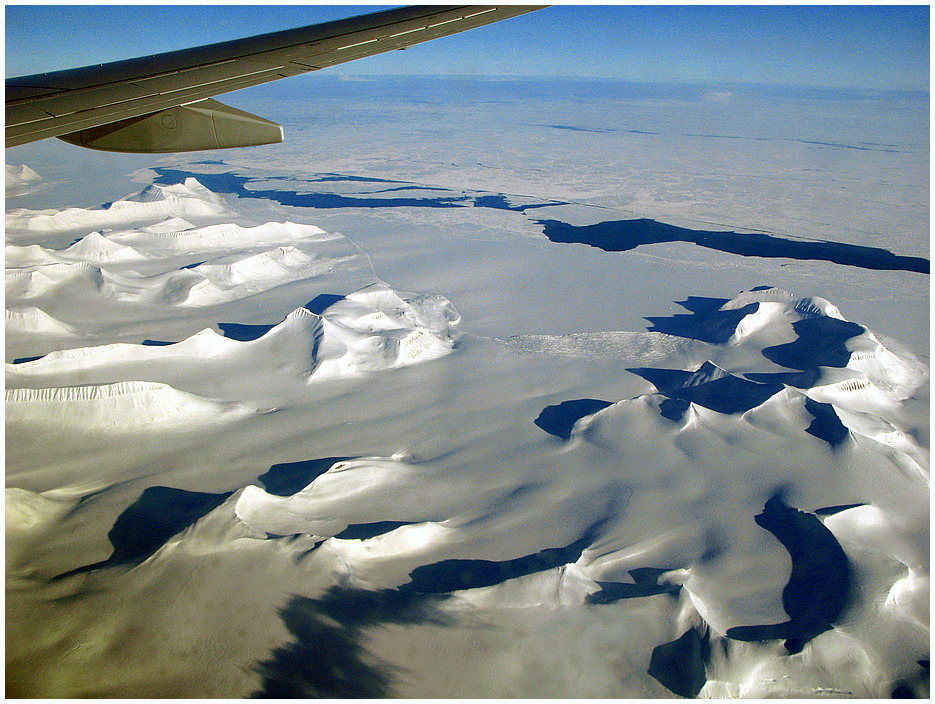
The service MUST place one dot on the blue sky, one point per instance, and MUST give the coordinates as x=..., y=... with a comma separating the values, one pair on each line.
x=830, y=46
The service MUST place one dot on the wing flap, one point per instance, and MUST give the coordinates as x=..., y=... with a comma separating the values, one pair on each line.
x=71, y=102
x=64, y=102
x=207, y=124
x=112, y=94
x=107, y=114
x=24, y=114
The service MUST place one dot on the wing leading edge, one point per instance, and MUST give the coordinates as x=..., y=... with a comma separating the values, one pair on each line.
x=163, y=103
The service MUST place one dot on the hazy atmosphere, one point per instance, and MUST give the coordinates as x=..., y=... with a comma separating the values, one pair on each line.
x=584, y=354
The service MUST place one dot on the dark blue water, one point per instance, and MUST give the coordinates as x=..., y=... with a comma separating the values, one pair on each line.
x=236, y=185
x=864, y=146
x=231, y=183
x=614, y=235
x=574, y=128
x=498, y=201
x=340, y=178
x=623, y=235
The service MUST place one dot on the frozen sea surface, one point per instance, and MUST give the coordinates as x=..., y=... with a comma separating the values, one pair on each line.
x=342, y=420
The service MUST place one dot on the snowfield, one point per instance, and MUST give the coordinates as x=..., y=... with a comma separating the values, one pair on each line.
x=236, y=458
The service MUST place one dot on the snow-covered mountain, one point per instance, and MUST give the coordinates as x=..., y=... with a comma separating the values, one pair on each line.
x=233, y=441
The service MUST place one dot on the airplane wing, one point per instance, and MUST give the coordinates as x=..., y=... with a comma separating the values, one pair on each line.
x=163, y=103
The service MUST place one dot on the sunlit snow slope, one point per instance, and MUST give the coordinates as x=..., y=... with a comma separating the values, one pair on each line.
x=239, y=462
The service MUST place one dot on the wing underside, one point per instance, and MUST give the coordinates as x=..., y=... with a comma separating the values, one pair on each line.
x=161, y=103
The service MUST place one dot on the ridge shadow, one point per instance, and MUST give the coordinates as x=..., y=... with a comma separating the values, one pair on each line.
x=452, y=575
x=819, y=586
x=327, y=656
x=558, y=420
x=149, y=522
x=726, y=394
x=288, y=478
